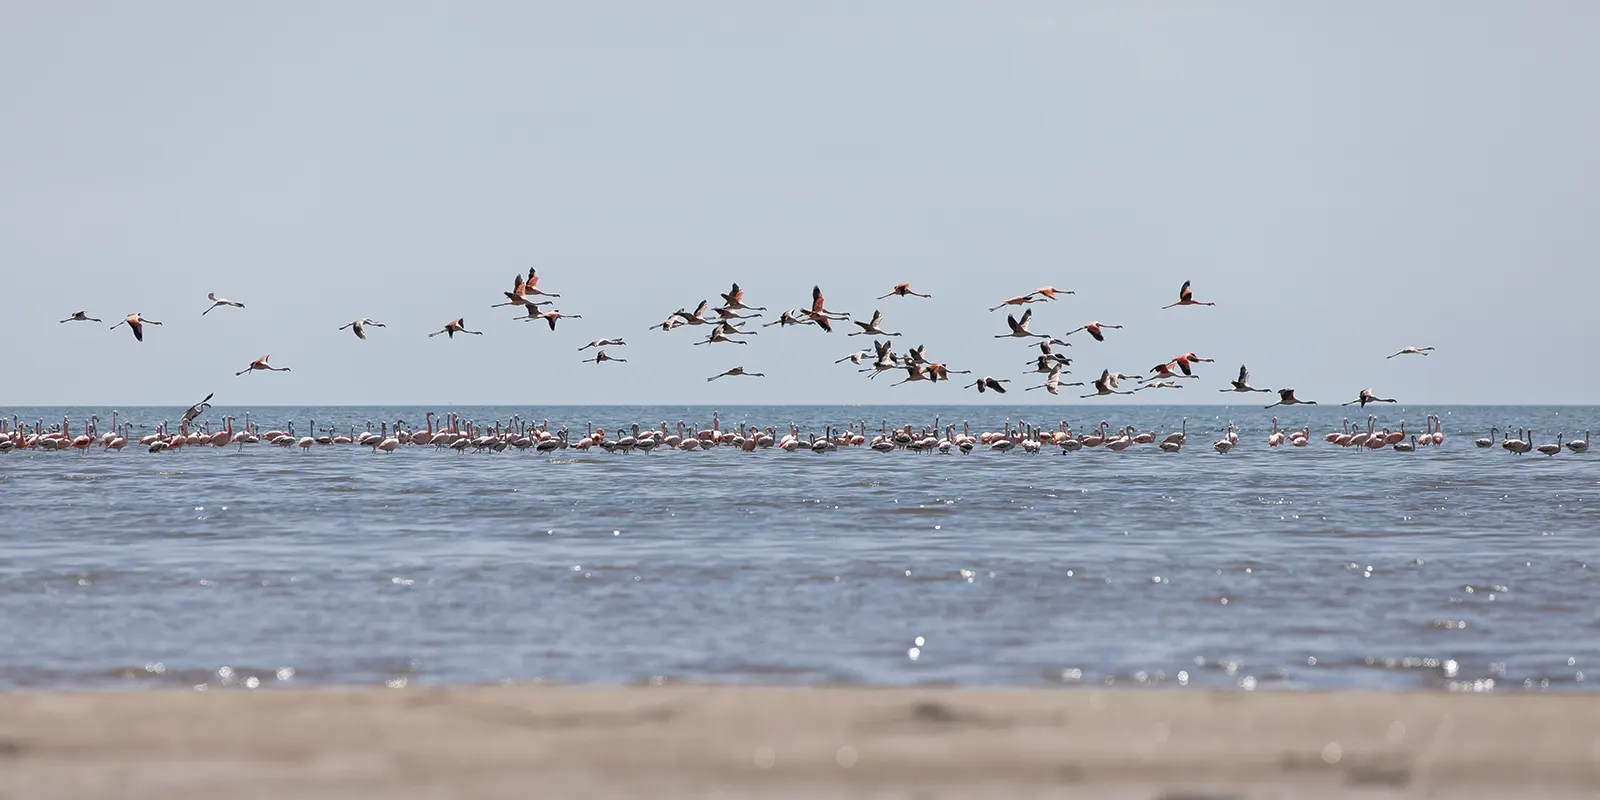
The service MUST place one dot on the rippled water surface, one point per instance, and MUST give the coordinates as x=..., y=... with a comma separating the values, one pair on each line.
x=1451, y=567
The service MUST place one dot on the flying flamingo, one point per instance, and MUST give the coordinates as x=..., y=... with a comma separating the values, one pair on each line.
x=734, y=373
x=821, y=315
x=197, y=409
x=530, y=287
x=1105, y=385
x=1286, y=398
x=359, y=326
x=871, y=328
x=1095, y=329
x=1019, y=300
x=1166, y=371
x=458, y=325
x=734, y=299
x=987, y=383
x=1053, y=384
x=601, y=355
x=135, y=323
x=1050, y=292
x=260, y=365
x=517, y=296
x=902, y=290
x=1184, y=360
x=1019, y=327
x=1411, y=351
x=718, y=335
x=603, y=343
x=1186, y=298
x=218, y=302
x=1160, y=385
x=1243, y=383
x=80, y=316
x=551, y=316
x=1366, y=396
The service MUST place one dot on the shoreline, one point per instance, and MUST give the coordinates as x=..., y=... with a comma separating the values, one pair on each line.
x=706, y=740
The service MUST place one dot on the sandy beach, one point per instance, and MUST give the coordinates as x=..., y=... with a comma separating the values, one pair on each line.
x=682, y=741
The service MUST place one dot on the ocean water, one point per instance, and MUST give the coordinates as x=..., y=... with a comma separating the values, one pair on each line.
x=1451, y=568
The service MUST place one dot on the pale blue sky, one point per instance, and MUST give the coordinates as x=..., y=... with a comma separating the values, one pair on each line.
x=1342, y=178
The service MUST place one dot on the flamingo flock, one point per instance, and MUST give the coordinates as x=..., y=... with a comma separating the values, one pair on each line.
x=449, y=431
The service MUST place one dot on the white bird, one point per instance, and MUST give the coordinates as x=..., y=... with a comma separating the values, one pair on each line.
x=1411, y=351
x=1488, y=441
x=1053, y=383
x=1579, y=445
x=217, y=302
x=603, y=343
x=80, y=316
x=359, y=326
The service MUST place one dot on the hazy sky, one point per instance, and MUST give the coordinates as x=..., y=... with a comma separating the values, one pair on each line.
x=1343, y=179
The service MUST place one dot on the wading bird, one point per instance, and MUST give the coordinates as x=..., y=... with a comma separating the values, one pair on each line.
x=1186, y=298
x=987, y=383
x=359, y=327
x=734, y=298
x=530, y=286
x=1106, y=384
x=458, y=325
x=136, y=324
x=551, y=316
x=820, y=314
x=1243, y=383
x=603, y=343
x=1095, y=329
x=1286, y=398
x=871, y=328
x=197, y=409
x=1019, y=327
x=735, y=373
x=1411, y=351
x=902, y=290
x=80, y=316
x=1053, y=383
x=1050, y=292
x=1019, y=300
x=601, y=355
x=218, y=302
x=260, y=365
x=1366, y=396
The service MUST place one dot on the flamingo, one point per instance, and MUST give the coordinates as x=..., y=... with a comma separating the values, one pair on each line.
x=1243, y=383
x=1105, y=385
x=734, y=373
x=1186, y=298
x=1019, y=327
x=458, y=325
x=820, y=314
x=1406, y=447
x=1166, y=370
x=1411, y=351
x=987, y=383
x=1286, y=398
x=603, y=343
x=197, y=409
x=1019, y=300
x=518, y=294
x=602, y=356
x=734, y=299
x=218, y=302
x=871, y=328
x=260, y=365
x=80, y=316
x=1551, y=448
x=1095, y=329
x=550, y=317
x=1438, y=430
x=1366, y=396
x=1050, y=292
x=1160, y=385
x=719, y=334
x=1579, y=445
x=902, y=290
x=1488, y=441
x=1275, y=438
x=787, y=318
x=530, y=287
x=135, y=323
x=1053, y=383
x=359, y=326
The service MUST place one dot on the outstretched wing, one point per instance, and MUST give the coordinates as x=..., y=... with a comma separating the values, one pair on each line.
x=1184, y=295
x=1244, y=374
x=816, y=299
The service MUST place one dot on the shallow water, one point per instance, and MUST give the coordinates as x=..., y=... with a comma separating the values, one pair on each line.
x=1450, y=568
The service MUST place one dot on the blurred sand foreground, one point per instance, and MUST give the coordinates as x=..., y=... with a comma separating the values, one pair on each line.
x=683, y=741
